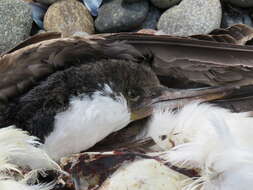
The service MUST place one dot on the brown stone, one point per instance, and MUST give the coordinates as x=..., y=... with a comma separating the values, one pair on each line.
x=68, y=17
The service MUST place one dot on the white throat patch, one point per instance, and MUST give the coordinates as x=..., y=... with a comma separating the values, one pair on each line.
x=86, y=122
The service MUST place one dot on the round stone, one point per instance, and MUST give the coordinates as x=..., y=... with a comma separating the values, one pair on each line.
x=117, y=16
x=234, y=15
x=191, y=17
x=68, y=17
x=242, y=3
x=15, y=23
x=152, y=18
x=131, y=1
x=163, y=4
x=48, y=2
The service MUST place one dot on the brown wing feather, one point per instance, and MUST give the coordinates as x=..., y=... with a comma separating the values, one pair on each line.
x=22, y=68
x=205, y=62
x=241, y=33
x=238, y=34
x=35, y=39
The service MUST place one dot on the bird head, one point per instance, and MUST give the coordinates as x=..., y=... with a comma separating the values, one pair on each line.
x=137, y=83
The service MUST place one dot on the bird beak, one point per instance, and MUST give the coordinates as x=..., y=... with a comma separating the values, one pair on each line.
x=175, y=98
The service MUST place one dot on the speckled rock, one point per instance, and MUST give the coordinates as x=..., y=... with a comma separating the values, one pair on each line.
x=163, y=4
x=15, y=23
x=116, y=16
x=191, y=17
x=68, y=17
x=241, y=3
x=48, y=2
x=152, y=18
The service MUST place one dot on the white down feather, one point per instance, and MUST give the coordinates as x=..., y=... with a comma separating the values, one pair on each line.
x=87, y=121
x=9, y=184
x=17, y=152
x=210, y=139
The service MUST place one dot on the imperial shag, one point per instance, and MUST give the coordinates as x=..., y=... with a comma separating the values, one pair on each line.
x=73, y=92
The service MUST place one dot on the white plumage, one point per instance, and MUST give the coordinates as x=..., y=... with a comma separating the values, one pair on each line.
x=14, y=185
x=18, y=148
x=87, y=121
x=17, y=151
x=208, y=138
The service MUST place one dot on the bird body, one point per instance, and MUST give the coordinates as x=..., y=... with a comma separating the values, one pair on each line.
x=49, y=87
x=80, y=106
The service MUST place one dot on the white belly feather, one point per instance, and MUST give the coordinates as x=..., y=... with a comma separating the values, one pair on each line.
x=86, y=122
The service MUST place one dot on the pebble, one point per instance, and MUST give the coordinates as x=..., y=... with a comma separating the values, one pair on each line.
x=163, y=4
x=68, y=17
x=131, y=1
x=38, y=12
x=93, y=5
x=235, y=15
x=15, y=23
x=242, y=3
x=117, y=16
x=191, y=17
x=152, y=18
x=48, y=2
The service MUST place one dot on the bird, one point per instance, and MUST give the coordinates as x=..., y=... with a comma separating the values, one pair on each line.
x=209, y=139
x=73, y=92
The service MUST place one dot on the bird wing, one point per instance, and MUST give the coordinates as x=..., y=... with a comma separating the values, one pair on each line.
x=239, y=34
x=198, y=60
x=23, y=66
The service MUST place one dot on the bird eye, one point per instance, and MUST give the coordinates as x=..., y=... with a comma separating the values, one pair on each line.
x=133, y=95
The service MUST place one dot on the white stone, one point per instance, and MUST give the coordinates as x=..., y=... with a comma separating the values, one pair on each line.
x=191, y=17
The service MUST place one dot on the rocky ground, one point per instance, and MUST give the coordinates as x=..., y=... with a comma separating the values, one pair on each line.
x=22, y=18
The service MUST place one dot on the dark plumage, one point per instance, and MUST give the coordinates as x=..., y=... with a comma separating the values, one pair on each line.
x=39, y=77
x=36, y=109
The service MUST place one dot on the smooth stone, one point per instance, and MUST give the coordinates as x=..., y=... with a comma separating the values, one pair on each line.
x=241, y=3
x=38, y=12
x=164, y=4
x=48, y=2
x=116, y=16
x=191, y=17
x=235, y=15
x=15, y=23
x=131, y=1
x=92, y=6
x=68, y=17
x=152, y=18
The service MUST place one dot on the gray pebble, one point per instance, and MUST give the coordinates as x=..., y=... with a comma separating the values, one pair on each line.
x=163, y=4
x=116, y=16
x=131, y=1
x=191, y=17
x=152, y=19
x=234, y=15
x=241, y=3
x=15, y=23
